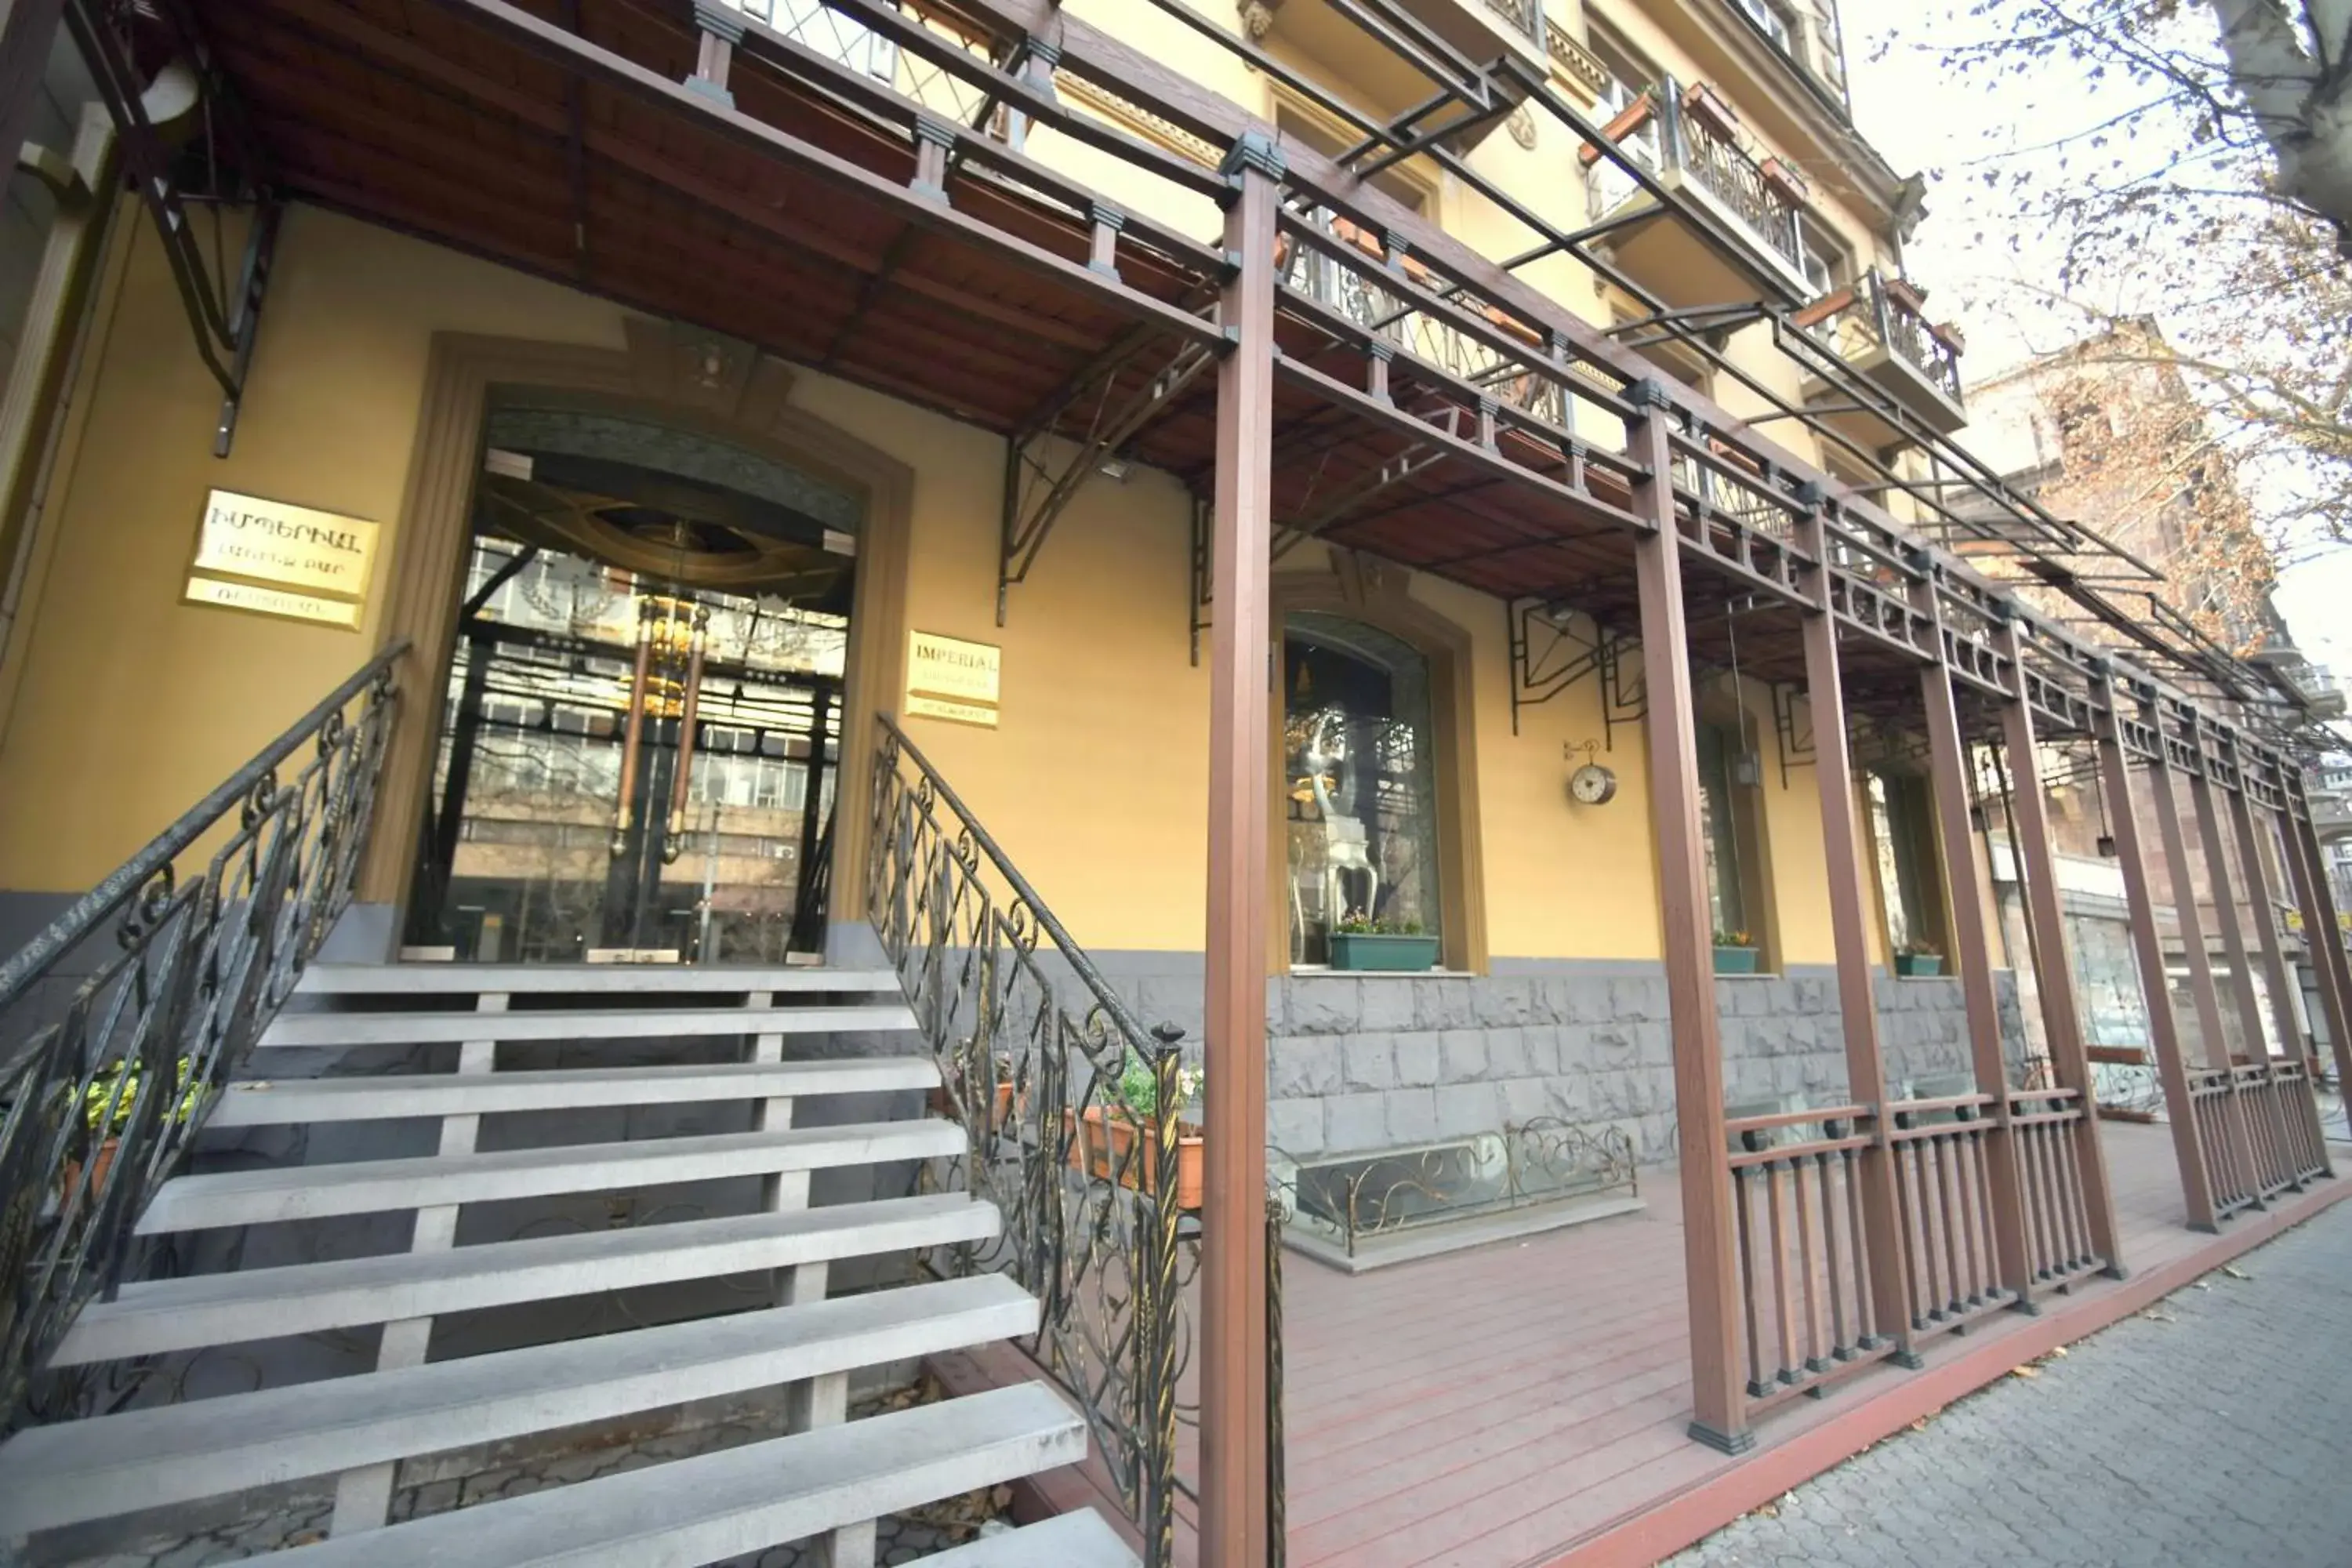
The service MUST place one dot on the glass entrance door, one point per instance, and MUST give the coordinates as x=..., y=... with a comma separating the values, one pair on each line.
x=640, y=734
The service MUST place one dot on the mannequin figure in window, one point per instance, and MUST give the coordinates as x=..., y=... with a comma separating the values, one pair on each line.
x=1347, y=860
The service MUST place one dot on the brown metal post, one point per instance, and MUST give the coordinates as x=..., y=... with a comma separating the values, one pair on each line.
x=2163, y=1027
x=2054, y=960
x=2242, y=1111
x=1232, y=1266
x=2321, y=935
x=2184, y=906
x=1865, y=1067
x=1719, y=1412
x=2225, y=896
x=2264, y=897
x=1972, y=948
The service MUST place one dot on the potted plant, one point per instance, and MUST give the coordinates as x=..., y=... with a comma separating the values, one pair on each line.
x=1363, y=943
x=1917, y=961
x=1734, y=952
x=1104, y=1140
x=105, y=1114
x=1003, y=1109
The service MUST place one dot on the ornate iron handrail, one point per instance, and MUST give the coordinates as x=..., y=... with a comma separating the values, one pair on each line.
x=121, y=1021
x=1073, y=1118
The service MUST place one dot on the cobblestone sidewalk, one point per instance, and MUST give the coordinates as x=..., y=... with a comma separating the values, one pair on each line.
x=2206, y=1431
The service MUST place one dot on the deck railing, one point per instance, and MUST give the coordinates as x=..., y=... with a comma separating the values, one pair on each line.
x=1940, y=1150
x=1072, y=1112
x=1879, y=312
x=119, y=1023
x=1804, y=1256
x=1671, y=129
x=2259, y=1127
x=2043, y=1124
x=2230, y=1175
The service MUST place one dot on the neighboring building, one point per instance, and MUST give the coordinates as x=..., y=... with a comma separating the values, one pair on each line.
x=2105, y=436
x=1377, y=549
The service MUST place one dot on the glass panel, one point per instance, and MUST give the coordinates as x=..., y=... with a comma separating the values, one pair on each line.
x=1723, y=897
x=648, y=665
x=1359, y=783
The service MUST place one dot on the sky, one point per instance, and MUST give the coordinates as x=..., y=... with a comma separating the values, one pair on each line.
x=1923, y=116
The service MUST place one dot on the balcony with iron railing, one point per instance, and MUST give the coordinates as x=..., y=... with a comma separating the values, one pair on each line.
x=1389, y=54
x=1688, y=139
x=1877, y=327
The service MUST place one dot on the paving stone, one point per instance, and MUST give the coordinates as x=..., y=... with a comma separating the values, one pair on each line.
x=2208, y=1441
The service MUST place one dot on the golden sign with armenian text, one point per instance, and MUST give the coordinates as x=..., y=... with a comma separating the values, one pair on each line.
x=319, y=561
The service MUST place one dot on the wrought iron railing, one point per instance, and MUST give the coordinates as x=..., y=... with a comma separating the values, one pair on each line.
x=1347, y=276
x=1071, y=1109
x=119, y=1024
x=1876, y=312
x=1527, y=16
x=1670, y=129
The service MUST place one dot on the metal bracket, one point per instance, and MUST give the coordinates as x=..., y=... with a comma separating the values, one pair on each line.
x=1548, y=655
x=1540, y=673
x=1796, y=745
x=1197, y=555
x=1393, y=471
x=226, y=323
x=1028, y=516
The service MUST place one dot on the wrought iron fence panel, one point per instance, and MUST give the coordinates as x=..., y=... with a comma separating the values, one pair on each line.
x=121, y=1023
x=1073, y=1119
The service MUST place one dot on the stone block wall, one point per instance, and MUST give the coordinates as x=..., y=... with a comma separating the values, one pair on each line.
x=1365, y=1062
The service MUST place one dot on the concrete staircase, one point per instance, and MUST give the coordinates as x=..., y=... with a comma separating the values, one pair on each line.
x=466, y=1036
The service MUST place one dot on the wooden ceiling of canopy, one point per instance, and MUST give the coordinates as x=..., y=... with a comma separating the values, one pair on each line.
x=411, y=114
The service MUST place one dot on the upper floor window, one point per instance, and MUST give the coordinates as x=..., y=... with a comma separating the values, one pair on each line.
x=1778, y=23
x=1828, y=264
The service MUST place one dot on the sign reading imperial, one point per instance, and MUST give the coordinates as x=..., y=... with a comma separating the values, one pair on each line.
x=323, y=557
x=948, y=678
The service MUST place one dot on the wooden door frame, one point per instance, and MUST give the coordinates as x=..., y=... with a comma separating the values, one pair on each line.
x=679, y=377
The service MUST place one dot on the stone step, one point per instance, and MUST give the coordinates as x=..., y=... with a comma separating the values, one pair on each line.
x=576, y=1024
x=739, y=1500
x=370, y=1186
x=1080, y=1540
x=81, y=1470
x=585, y=979
x=266, y=1102
x=155, y=1317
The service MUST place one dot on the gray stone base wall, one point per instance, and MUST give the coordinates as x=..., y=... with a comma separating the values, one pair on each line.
x=1358, y=1062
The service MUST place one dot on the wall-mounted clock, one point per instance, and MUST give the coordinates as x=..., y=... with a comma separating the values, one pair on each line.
x=1593, y=784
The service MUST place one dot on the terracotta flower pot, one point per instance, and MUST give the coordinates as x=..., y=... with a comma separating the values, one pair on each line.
x=100, y=1168
x=1001, y=1113
x=1104, y=1146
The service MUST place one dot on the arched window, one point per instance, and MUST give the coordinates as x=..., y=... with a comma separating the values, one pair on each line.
x=1359, y=783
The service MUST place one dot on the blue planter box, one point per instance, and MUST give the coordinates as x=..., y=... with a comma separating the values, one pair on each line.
x=1918, y=965
x=1361, y=951
x=1735, y=961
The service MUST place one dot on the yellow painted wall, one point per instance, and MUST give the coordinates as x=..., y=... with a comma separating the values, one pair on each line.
x=130, y=705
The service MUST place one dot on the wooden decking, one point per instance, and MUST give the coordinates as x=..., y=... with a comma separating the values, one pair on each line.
x=1523, y=1403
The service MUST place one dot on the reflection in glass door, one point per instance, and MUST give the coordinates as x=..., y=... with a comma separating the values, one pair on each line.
x=642, y=727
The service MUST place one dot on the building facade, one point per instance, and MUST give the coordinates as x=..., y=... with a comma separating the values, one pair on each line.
x=1430, y=534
